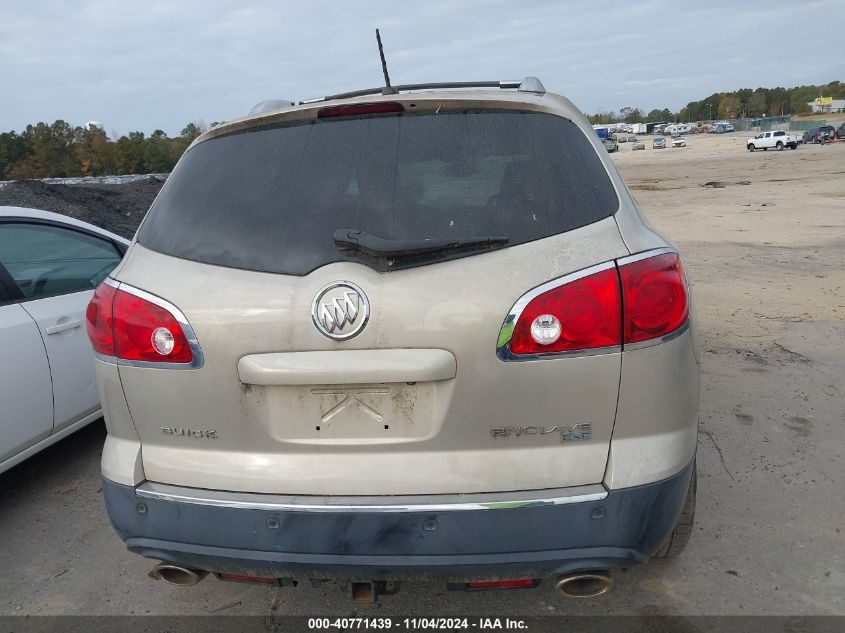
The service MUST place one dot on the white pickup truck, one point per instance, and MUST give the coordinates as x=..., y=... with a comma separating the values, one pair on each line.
x=777, y=139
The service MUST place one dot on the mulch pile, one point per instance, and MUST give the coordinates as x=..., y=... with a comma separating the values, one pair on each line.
x=117, y=208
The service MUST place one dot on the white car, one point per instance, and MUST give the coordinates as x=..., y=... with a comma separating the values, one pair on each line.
x=679, y=141
x=49, y=267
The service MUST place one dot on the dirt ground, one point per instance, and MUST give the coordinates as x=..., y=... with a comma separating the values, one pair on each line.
x=767, y=259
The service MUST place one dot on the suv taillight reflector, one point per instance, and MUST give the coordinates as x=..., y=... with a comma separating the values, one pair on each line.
x=582, y=314
x=633, y=302
x=99, y=321
x=261, y=580
x=129, y=327
x=147, y=332
x=654, y=294
x=501, y=584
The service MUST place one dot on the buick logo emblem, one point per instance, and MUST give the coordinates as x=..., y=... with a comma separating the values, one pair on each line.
x=340, y=310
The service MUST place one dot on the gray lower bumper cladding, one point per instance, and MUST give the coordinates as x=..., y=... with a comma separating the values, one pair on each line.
x=624, y=528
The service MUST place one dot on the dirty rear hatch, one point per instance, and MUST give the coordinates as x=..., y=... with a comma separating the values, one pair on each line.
x=254, y=225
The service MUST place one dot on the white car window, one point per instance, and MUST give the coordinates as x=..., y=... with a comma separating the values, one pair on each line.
x=46, y=260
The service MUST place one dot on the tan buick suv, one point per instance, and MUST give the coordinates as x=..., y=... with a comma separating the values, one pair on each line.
x=413, y=332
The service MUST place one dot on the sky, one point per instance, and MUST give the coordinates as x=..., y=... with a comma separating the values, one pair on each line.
x=161, y=64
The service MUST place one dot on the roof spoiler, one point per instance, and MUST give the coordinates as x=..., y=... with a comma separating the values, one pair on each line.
x=529, y=84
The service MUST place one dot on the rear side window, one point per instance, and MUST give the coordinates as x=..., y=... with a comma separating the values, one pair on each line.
x=270, y=199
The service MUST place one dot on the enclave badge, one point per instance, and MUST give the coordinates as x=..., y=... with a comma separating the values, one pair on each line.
x=340, y=310
x=568, y=433
x=209, y=434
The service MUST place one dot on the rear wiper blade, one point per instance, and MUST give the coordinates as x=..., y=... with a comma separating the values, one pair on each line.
x=367, y=243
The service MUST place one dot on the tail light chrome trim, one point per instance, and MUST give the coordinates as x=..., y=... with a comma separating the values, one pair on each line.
x=630, y=259
x=503, y=350
x=198, y=359
x=656, y=341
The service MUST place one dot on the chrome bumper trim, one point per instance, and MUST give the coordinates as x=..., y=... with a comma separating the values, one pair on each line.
x=418, y=503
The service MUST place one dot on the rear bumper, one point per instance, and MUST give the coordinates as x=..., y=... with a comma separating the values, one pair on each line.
x=536, y=540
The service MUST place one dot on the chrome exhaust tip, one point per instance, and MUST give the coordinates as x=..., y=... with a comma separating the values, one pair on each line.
x=178, y=576
x=584, y=584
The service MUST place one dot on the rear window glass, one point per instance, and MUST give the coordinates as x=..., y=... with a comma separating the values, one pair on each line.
x=270, y=199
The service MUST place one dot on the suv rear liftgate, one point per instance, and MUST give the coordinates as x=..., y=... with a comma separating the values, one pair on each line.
x=381, y=340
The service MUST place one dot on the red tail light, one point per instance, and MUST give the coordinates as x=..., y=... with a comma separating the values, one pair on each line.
x=147, y=332
x=131, y=325
x=359, y=109
x=655, y=297
x=582, y=314
x=637, y=301
x=99, y=321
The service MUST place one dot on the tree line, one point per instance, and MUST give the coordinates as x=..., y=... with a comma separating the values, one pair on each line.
x=741, y=103
x=60, y=150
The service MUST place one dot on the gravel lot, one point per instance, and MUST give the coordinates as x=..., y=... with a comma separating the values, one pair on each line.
x=768, y=263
